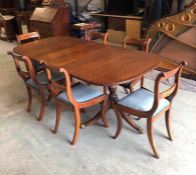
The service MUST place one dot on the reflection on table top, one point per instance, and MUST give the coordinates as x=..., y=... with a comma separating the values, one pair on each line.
x=92, y=62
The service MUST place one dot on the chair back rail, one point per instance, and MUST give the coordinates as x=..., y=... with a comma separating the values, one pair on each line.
x=29, y=71
x=170, y=93
x=94, y=34
x=55, y=87
x=142, y=43
x=144, y=46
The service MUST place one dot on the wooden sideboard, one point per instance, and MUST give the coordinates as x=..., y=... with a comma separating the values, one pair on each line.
x=50, y=21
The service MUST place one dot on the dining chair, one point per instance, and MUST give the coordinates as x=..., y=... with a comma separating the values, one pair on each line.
x=37, y=82
x=144, y=103
x=76, y=97
x=143, y=45
x=94, y=35
x=29, y=37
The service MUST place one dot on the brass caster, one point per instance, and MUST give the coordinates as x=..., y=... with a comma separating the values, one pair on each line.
x=82, y=126
x=141, y=131
x=54, y=132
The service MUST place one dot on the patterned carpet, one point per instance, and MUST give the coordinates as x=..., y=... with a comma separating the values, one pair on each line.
x=185, y=84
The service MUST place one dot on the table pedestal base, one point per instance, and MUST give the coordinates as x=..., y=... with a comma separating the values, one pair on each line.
x=119, y=115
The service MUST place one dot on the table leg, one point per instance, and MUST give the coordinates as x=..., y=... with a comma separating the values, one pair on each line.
x=132, y=123
x=105, y=108
x=113, y=97
x=92, y=121
x=101, y=114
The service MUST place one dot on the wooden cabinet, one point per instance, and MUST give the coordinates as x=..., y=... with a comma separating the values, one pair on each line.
x=128, y=25
x=50, y=21
x=133, y=28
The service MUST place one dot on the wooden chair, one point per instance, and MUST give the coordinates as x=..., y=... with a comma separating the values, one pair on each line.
x=150, y=105
x=86, y=27
x=23, y=38
x=75, y=98
x=37, y=82
x=93, y=35
x=143, y=45
x=29, y=37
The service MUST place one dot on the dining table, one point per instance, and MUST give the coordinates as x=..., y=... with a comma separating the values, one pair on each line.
x=94, y=63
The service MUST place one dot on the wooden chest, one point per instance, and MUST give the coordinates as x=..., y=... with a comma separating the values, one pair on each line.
x=50, y=21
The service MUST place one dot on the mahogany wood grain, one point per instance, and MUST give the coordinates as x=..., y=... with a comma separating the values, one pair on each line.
x=95, y=63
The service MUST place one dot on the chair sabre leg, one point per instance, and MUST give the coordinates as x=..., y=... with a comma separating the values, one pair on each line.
x=150, y=137
x=77, y=126
x=29, y=99
x=58, y=117
x=167, y=122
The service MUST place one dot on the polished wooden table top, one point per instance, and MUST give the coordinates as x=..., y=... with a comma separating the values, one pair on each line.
x=95, y=63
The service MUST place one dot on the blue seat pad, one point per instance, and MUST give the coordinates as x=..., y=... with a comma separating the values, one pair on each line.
x=81, y=93
x=142, y=100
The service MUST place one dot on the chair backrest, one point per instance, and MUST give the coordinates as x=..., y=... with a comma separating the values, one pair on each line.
x=56, y=88
x=170, y=93
x=142, y=43
x=23, y=66
x=91, y=35
x=27, y=37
